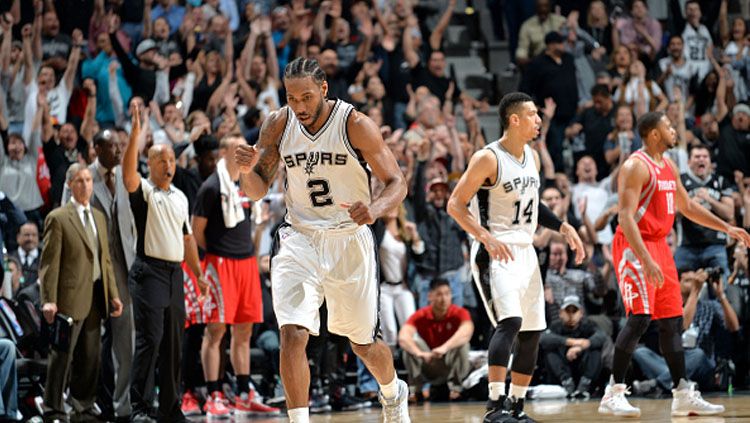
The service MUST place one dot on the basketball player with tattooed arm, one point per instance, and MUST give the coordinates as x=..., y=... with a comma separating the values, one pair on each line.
x=650, y=193
x=502, y=182
x=324, y=250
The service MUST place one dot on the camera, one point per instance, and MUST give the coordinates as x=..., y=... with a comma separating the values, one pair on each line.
x=714, y=274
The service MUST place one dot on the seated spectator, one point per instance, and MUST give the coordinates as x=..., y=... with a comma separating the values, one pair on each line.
x=572, y=349
x=28, y=251
x=704, y=321
x=435, y=341
x=562, y=282
x=8, y=382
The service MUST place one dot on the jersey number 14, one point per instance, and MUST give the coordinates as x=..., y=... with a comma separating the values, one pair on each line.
x=528, y=212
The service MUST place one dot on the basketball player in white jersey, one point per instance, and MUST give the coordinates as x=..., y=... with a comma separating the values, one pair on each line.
x=324, y=250
x=503, y=183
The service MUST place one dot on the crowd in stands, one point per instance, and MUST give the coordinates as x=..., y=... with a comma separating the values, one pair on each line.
x=203, y=71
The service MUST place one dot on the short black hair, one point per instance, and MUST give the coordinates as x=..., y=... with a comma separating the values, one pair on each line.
x=601, y=90
x=698, y=147
x=509, y=105
x=648, y=123
x=438, y=282
x=673, y=36
x=303, y=67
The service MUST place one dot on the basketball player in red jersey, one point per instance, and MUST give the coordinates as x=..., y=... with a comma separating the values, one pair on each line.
x=650, y=192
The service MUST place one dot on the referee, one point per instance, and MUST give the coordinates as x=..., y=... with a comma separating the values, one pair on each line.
x=164, y=241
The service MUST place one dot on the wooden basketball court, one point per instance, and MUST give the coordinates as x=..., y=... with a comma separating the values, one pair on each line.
x=737, y=410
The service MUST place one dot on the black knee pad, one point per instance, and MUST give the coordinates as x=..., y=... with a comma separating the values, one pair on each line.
x=631, y=333
x=670, y=335
x=502, y=340
x=525, y=353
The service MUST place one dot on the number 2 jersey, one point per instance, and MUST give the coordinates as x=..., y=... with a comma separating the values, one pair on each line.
x=508, y=209
x=323, y=171
x=656, y=207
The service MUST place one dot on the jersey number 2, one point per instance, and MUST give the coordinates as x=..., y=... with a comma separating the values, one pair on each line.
x=528, y=211
x=319, y=192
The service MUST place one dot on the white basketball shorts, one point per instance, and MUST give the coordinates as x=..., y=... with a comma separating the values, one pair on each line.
x=339, y=267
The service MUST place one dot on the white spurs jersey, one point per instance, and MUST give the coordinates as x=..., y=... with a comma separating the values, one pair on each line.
x=322, y=171
x=508, y=209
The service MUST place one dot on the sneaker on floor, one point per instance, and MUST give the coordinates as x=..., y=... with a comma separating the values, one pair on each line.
x=190, y=405
x=515, y=405
x=245, y=404
x=342, y=401
x=396, y=410
x=497, y=412
x=215, y=407
x=614, y=402
x=319, y=403
x=582, y=391
x=687, y=401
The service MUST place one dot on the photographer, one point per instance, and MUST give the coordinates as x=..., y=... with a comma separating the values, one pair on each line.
x=704, y=320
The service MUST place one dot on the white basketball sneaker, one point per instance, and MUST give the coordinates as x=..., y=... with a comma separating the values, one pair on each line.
x=396, y=410
x=615, y=403
x=687, y=401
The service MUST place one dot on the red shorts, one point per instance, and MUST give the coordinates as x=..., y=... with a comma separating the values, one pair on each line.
x=234, y=294
x=639, y=296
x=193, y=309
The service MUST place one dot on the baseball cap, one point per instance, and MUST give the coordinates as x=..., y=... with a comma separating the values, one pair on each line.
x=741, y=108
x=571, y=300
x=144, y=46
x=553, y=37
x=434, y=182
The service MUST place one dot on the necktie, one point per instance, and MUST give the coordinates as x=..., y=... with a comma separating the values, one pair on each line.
x=109, y=180
x=94, y=243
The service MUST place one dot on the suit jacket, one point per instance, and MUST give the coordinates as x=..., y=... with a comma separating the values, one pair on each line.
x=68, y=263
x=122, y=238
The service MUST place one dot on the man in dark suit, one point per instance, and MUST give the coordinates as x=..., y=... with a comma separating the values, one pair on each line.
x=77, y=280
x=111, y=198
x=28, y=251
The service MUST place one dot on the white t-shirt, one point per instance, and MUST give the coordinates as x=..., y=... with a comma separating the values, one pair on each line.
x=57, y=98
x=680, y=76
x=392, y=258
x=597, y=201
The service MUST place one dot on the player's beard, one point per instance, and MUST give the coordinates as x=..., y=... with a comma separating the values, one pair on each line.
x=318, y=111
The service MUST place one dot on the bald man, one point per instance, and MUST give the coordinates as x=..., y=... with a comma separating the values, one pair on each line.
x=165, y=239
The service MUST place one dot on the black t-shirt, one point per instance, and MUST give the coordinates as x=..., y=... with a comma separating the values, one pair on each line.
x=734, y=150
x=546, y=78
x=595, y=130
x=438, y=85
x=234, y=242
x=693, y=234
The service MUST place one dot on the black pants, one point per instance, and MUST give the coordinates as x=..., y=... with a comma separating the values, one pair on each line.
x=159, y=314
x=588, y=364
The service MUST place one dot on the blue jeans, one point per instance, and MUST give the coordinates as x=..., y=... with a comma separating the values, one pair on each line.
x=8, y=381
x=455, y=277
x=702, y=257
x=698, y=366
x=365, y=379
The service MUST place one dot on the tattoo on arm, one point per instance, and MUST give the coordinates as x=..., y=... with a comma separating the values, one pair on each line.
x=268, y=144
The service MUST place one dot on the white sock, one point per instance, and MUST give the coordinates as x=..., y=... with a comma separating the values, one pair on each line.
x=299, y=415
x=497, y=389
x=390, y=389
x=518, y=391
